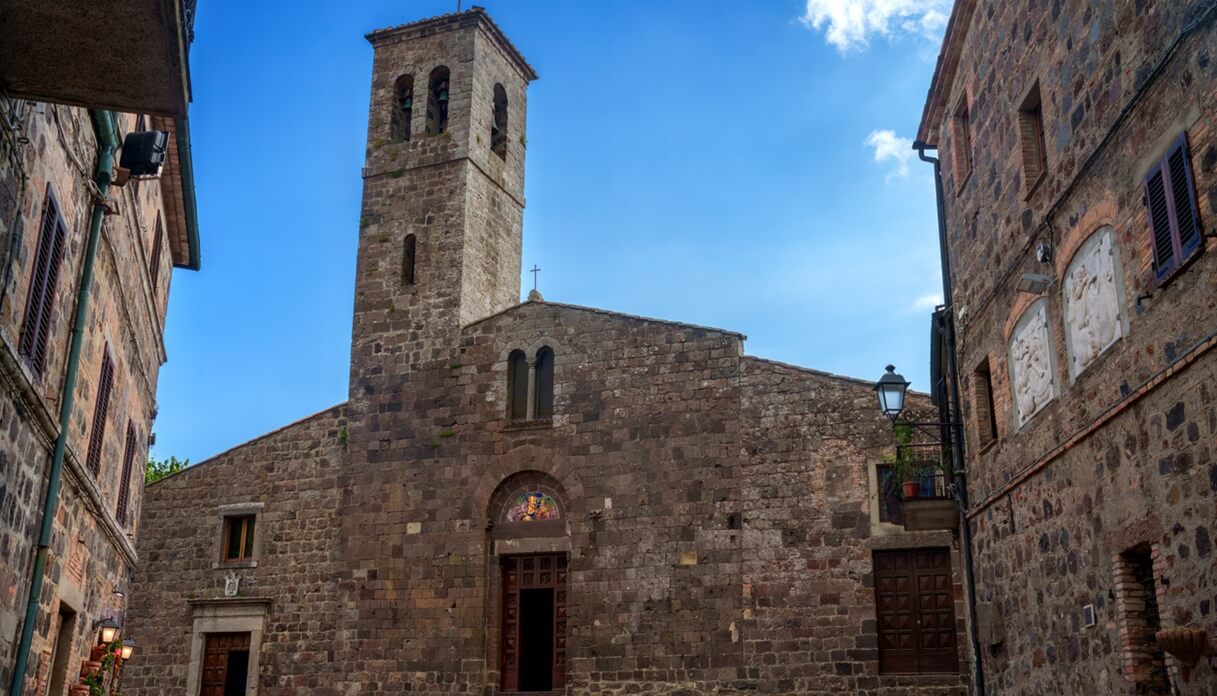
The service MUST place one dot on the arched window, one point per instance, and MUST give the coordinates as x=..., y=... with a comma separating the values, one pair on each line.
x=498, y=123
x=544, y=407
x=517, y=386
x=407, y=260
x=403, y=107
x=437, y=101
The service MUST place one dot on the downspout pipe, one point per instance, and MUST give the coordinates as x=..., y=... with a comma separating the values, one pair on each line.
x=957, y=448
x=107, y=144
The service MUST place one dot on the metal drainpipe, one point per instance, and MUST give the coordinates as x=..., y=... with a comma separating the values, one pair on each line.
x=103, y=124
x=957, y=451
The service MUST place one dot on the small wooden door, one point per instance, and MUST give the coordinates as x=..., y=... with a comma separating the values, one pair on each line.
x=534, y=623
x=915, y=602
x=225, y=664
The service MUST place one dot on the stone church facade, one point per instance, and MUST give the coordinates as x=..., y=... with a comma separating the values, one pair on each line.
x=1079, y=150
x=533, y=497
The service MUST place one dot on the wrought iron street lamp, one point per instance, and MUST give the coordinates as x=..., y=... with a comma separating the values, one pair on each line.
x=128, y=649
x=109, y=630
x=891, y=389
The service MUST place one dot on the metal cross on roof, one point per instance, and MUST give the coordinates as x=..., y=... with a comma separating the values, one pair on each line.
x=535, y=270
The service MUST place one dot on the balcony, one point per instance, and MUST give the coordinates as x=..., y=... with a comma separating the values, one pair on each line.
x=122, y=55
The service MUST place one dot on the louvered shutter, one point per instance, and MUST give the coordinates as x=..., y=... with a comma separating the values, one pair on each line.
x=39, y=308
x=101, y=410
x=154, y=268
x=1031, y=142
x=124, y=483
x=1159, y=223
x=1170, y=201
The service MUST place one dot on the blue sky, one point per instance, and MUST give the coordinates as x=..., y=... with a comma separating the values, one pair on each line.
x=739, y=165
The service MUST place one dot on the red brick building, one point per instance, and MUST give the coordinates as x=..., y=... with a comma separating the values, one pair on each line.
x=1079, y=151
x=534, y=496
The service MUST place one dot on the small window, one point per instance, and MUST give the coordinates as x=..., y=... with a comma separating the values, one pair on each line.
x=961, y=145
x=154, y=262
x=403, y=107
x=984, y=410
x=890, y=510
x=40, y=304
x=498, y=123
x=517, y=386
x=124, y=483
x=437, y=101
x=408, y=260
x=545, y=385
x=239, y=538
x=1031, y=140
x=1174, y=220
x=101, y=410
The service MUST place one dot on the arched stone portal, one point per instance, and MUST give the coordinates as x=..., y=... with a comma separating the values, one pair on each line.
x=529, y=544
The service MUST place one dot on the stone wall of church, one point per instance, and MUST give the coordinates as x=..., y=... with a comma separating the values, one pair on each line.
x=716, y=515
x=292, y=475
x=1105, y=410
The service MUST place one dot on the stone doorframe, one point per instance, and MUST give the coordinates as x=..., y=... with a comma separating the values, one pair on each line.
x=228, y=615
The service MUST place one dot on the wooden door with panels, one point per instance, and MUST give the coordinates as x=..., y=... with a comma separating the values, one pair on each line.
x=915, y=607
x=534, y=623
x=225, y=664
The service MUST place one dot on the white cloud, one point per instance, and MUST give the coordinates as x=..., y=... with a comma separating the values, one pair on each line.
x=851, y=23
x=926, y=302
x=891, y=147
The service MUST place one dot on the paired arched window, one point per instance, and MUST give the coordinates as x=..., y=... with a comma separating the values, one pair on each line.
x=530, y=386
x=543, y=407
x=408, y=260
x=517, y=386
x=403, y=107
x=437, y=101
x=498, y=123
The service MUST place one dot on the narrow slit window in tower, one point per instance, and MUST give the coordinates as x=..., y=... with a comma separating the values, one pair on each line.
x=498, y=123
x=437, y=101
x=407, y=260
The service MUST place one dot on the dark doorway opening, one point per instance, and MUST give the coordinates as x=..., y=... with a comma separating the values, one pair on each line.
x=238, y=672
x=534, y=623
x=225, y=664
x=536, y=640
x=63, y=649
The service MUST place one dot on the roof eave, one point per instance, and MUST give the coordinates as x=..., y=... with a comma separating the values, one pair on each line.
x=944, y=72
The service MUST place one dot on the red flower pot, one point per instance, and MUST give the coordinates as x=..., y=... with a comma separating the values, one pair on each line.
x=912, y=489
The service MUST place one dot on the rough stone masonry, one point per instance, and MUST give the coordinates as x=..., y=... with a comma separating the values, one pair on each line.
x=531, y=496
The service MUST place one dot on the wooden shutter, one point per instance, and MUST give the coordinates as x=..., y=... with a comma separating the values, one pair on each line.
x=124, y=483
x=101, y=409
x=39, y=308
x=1031, y=144
x=154, y=265
x=1170, y=201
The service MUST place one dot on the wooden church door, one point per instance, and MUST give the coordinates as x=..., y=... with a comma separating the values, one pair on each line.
x=534, y=623
x=225, y=664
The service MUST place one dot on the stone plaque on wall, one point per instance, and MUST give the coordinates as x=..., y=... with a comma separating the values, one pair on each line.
x=1031, y=363
x=1092, y=301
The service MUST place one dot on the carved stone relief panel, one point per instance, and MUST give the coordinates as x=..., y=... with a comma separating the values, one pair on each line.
x=1093, y=320
x=1031, y=363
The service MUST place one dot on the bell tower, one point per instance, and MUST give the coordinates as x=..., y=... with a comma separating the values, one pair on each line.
x=443, y=192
